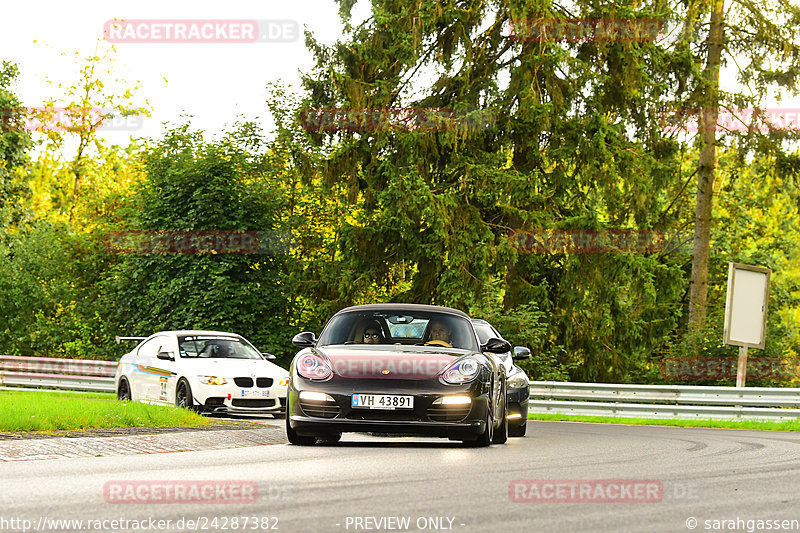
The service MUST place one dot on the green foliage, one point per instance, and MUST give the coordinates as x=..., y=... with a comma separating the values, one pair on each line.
x=48, y=411
x=192, y=185
x=15, y=141
x=49, y=282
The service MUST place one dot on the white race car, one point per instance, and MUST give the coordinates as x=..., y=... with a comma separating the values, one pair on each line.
x=202, y=370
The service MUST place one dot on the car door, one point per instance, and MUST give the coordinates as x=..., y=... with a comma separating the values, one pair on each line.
x=151, y=369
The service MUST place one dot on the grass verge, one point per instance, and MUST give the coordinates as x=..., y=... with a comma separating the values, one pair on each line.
x=49, y=411
x=789, y=425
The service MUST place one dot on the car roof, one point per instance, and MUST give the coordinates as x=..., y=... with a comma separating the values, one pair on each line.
x=404, y=307
x=187, y=332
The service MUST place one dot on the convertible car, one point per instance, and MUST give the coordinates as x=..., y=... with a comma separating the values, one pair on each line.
x=400, y=369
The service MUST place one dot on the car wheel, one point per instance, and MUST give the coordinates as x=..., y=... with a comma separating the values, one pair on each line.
x=296, y=439
x=515, y=430
x=485, y=438
x=183, y=395
x=123, y=390
x=501, y=435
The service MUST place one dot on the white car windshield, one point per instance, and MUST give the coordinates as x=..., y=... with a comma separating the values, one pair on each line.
x=217, y=347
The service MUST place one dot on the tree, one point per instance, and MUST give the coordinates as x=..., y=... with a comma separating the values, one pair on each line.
x=762, y=40
x=15, y=141
x=194, y=186
x=542, y=134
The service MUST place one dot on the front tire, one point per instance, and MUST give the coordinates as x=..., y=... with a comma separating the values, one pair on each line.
x=124, y=390
x=296, y=439
x=501, y=435
x=183, y=396
x=518, y=430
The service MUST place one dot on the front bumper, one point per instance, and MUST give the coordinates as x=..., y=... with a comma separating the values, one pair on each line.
x=231, y=399
x=518, y=403
x=309, y=418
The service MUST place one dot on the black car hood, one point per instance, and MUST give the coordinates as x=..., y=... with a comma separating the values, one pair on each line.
x=389, y=362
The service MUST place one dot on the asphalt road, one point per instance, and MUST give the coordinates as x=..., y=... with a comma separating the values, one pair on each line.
x=358, y=484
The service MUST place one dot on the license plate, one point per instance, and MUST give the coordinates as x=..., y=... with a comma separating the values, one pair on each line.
x=255, y=394
x=382, y=401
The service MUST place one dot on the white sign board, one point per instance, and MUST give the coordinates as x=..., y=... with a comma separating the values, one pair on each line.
x=746, y=306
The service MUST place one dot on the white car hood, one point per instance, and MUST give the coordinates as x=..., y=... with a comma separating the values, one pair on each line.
x=232, y=368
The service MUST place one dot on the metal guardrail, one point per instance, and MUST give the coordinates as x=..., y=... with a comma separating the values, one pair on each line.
x=53, y=373
x=664, y=401
x=569, y=398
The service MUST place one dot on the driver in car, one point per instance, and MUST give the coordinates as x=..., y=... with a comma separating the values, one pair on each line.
x=440, y=334
x=372, y=333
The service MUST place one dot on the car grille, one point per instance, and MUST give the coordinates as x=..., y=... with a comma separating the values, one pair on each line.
x=252, y=402
x=264, y=382
x=283, y=402
x=243, y=382
x=319, y=409
x=451, y=413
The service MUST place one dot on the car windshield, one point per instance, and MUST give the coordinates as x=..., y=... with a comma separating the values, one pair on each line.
x=216, y=347
x=399, y=327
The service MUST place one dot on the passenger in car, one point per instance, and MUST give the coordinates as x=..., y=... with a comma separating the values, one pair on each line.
x=372, y=333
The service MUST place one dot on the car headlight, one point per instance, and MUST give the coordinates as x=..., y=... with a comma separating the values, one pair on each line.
x=283, y=382
x=212, y=380
x=518, y=380
x=312, y=367
x=462, y=371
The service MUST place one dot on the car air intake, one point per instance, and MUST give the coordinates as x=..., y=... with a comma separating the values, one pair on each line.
x=264, y=382
x=214, y=401
x=243, y=382
x=448, y=413
x=326, y=409
x=252, y=402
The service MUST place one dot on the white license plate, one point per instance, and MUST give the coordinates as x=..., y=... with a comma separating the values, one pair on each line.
x=255, y=394
x=382, y=401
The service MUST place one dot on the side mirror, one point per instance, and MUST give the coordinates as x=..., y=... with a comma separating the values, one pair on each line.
x=305, y=339
x=268, y=355
x=495, y=345
x=166, y=356
x=521, y=352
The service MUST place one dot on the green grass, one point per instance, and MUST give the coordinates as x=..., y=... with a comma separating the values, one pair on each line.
x=49, y=411
x=791, y=425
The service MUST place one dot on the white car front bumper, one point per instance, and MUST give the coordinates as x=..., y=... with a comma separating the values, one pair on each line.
x=230, y=398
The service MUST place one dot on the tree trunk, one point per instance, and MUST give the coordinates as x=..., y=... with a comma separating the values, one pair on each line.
x=706, y=169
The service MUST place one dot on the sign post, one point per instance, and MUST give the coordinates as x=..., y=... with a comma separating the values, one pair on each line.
x=746, y=311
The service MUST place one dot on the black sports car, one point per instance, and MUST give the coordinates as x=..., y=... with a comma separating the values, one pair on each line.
x=518, y=389
x=400, y=369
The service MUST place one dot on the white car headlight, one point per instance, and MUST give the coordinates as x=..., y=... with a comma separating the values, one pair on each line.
x=518, y=380
x=212, y=380
x=462, y=371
